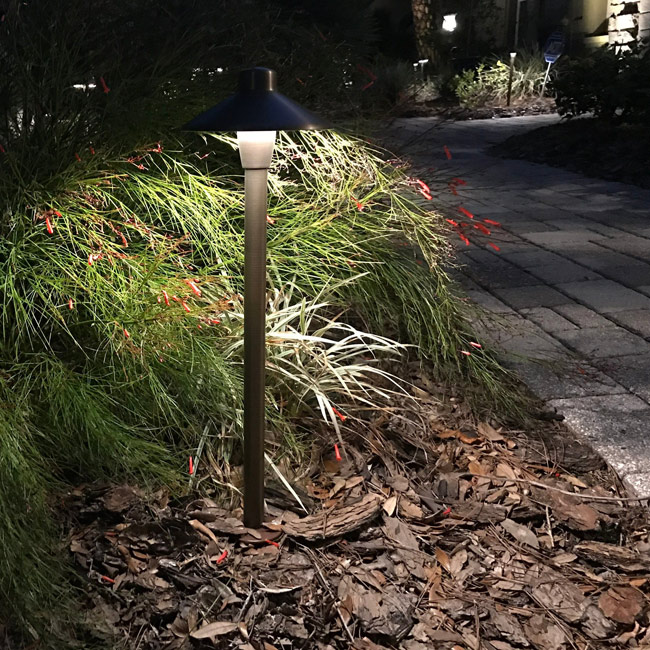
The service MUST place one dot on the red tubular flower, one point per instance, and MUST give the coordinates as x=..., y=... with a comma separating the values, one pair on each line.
x=270, y=220
x=492, y=223
x=474, y=344
x=359, y=204
x=222, y=557
x=337, y=453
x=466, y=353
x=460, y=234
x=194, y=288
x=370, y=83
x=78, y=157
x=452, y=187
x=268, y=541
x=482, y=228
x=70, y=304
x=367, y=72
x=452, y=222
x=447, y=152
x=48, y=225
x=126, y=333
x=191, y=466
x=185, y=307
x=166, y=297
x=92, y=151
x=339, y=415
x=496, y=248
x=105, y=87
x=423, y=185
x=446, y=512
x=466, y=212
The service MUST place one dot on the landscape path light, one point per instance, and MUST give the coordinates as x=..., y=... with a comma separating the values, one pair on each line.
x=513, y=56
x=255, y=112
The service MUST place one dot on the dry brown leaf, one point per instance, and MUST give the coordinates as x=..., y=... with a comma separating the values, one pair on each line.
x=218, y=628
x=574, y=481
x=622, y=604
x=488, y=432
x=457, y=561
x=505, y=471
x=443, y=558
x=544, y=633
x=521, y=533
x=476, y=468
x=563, y=598
x=202, y=528
x=576, y=514
x=410, y=509
x=120, y=498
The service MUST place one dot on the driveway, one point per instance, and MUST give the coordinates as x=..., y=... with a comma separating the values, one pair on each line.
x=568, y=291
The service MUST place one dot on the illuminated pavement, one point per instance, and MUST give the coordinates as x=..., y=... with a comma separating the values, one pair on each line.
x=568, y=293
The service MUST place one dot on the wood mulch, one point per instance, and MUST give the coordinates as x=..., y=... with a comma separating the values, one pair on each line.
x=436, y=529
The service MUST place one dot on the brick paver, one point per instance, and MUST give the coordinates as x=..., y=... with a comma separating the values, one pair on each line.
x=569, y=287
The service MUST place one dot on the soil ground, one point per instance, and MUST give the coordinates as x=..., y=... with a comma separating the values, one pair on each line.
x=436, y=529
x=594, y=148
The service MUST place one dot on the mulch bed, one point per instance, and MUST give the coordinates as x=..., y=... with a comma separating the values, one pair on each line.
x=588, y=146
x=452, y=111
x=434, y=530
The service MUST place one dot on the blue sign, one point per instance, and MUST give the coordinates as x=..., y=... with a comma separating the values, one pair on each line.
x=554, y=47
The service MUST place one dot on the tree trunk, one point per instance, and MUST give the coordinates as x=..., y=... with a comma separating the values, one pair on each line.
x=424, y=23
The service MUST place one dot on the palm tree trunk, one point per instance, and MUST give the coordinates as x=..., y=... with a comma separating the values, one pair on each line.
x=424, y=22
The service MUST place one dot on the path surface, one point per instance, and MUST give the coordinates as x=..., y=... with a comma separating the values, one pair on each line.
x=569, y=288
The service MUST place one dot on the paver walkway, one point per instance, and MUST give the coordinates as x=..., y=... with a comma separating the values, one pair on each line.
x=569, y=287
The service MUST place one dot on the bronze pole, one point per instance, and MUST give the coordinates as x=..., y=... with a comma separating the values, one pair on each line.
x=255, y=191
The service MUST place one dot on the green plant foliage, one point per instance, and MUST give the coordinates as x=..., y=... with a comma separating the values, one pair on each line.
x=612, y=83
x=121, y=261
x=488, y=83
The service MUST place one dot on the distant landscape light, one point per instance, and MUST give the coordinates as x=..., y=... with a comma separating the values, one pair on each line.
x=449, y=22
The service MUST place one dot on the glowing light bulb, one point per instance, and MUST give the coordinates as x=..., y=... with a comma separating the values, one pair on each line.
x=449, y=22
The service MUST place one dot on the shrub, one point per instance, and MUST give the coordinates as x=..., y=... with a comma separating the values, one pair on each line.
x=488, y=83
x=611, y=83
x=121, y=261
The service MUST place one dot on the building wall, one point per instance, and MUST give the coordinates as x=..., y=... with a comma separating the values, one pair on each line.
x=629, y=20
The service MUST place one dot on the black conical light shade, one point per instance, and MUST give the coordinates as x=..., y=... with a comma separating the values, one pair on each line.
x=256, y=106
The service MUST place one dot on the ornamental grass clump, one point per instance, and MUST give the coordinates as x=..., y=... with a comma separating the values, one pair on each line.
x=122, y=314
x=121, y=261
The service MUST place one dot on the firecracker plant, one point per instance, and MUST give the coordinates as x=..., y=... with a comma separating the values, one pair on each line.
x=121, y=280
